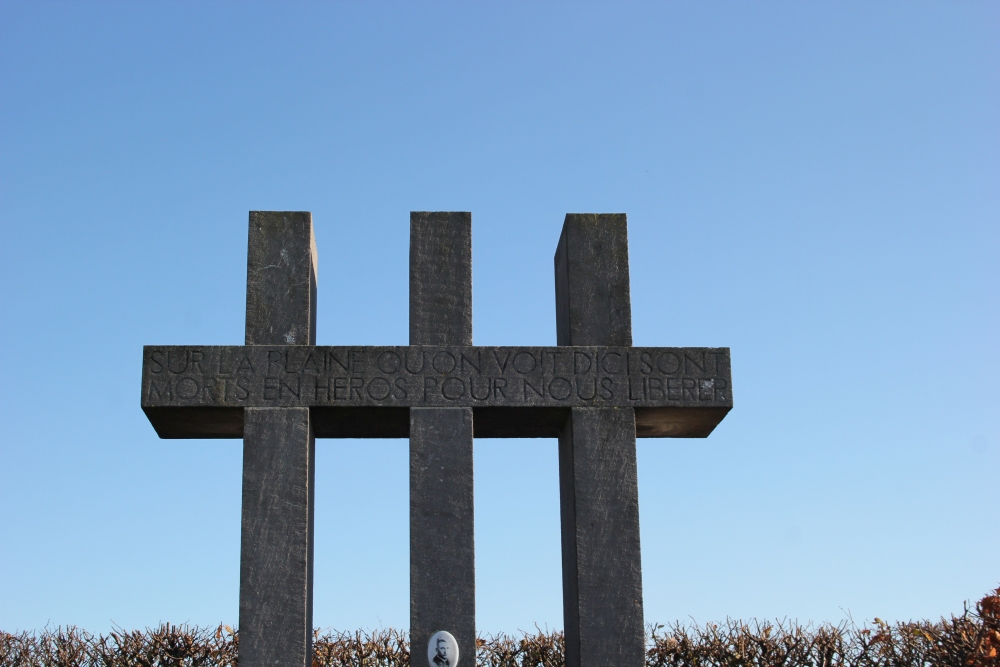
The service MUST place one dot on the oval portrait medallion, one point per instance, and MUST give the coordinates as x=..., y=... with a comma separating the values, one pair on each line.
x=442, y=650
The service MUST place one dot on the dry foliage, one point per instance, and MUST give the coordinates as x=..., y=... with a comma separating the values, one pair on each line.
x=167, y=645
x=381, y=648
x=969, y=640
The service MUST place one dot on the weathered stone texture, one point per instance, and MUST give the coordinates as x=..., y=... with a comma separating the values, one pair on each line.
x=599, y=494
x=281, y=279
x=594, y=392
x=442, y=545
x=593, y=301
x=442, y=516
x=440, y=278
x=364, y=392
x=276, y=554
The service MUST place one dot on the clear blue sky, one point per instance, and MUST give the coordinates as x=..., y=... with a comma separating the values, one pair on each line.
x=815, y=185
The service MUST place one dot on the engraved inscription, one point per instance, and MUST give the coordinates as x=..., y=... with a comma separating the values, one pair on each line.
x=408, y=376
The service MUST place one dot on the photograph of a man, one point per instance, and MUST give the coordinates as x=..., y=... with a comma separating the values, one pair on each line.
x=442, y=650
x=441, y=655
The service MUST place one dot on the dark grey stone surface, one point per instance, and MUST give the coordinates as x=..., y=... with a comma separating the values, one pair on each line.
x=593, y=301
x=362, y=391
x=440, y=278
x=442, y=543
x=276, y=552
x=442, y=549
x=594, y=392
x=281, y=279
x=599, y=496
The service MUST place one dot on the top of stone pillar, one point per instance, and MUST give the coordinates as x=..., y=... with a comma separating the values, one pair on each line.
x=593, y=303
x=440, y=278
x=281, y=279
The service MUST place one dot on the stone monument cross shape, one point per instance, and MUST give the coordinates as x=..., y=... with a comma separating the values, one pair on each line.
x=594, y=391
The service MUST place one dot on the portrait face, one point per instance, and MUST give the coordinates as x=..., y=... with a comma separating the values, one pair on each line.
x=442, y=650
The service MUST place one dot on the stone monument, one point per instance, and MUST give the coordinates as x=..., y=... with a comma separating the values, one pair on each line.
x=594, y=391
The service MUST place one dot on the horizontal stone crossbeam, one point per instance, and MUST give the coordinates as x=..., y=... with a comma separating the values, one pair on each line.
x=366, y=391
